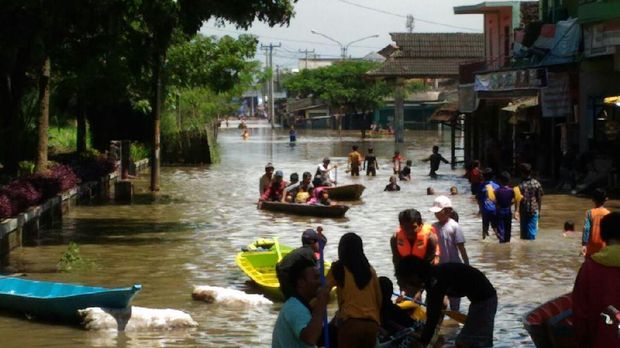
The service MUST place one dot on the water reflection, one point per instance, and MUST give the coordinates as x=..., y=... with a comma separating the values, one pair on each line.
x=189, y=235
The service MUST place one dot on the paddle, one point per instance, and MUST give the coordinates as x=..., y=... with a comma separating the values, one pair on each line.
x=456, y=315
x=278, y=251
x=322, y=274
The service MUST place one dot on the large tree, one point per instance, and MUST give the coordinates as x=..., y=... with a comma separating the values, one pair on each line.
x=343, y=86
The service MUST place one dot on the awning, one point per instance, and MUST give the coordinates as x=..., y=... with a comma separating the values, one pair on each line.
x=445, y=113
x=520, y=104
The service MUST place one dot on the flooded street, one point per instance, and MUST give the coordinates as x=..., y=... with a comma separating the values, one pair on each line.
x=190, y=234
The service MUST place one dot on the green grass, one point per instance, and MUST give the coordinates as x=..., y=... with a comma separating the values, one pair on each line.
x=64, y=139
x=138, y=151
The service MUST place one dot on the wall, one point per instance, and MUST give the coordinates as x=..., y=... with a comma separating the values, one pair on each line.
x=498, y=29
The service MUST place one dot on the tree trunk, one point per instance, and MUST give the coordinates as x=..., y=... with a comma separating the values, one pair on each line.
x=44, y=113
x=399, y=112
x=155, y=150
x=81, y=125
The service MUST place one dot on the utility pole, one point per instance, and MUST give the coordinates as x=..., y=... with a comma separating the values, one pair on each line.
x=269, y=48
x=306, y=51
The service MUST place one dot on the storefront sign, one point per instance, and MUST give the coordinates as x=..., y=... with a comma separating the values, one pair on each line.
x=511, y=80
x=601, y=39
x=555, y=98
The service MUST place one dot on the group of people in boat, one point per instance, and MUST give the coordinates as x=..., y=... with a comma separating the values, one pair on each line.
x=309, y=190
x=427, y=258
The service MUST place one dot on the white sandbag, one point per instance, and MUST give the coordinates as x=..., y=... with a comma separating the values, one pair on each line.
x=227, y=296
x=135, y=319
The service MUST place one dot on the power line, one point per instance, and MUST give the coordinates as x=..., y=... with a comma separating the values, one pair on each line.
x=402, y=16
x=286, y=39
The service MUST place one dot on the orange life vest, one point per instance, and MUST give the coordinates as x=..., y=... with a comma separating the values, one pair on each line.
x=418, y=249
x=596, y=243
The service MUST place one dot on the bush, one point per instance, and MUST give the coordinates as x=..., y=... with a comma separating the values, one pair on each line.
x=138, y=151
x=59, y=178
x=22, y=195
x=5, y=207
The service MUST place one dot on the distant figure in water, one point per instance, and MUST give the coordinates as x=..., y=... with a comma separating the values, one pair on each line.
x=569, y=229
x=245, y=134
x=430, y=191
x=292, y=135
x=435, y=158
x=392, y=186
x=454, y=191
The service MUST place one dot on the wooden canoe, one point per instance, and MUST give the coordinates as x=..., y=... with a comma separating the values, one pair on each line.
x=59, y=301
x=258, y=262
x=351, y=192
x=550, y=324
x=334, y=211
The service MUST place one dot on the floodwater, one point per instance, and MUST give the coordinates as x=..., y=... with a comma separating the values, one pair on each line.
x=189, y=235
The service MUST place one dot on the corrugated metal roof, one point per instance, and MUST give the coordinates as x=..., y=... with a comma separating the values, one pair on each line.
x=439, y=45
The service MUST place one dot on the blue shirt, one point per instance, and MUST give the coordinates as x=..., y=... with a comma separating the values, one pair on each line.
x=293, y=318
x=486, y=204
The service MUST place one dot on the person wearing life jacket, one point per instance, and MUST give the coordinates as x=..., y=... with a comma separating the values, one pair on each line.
x=414, y=238
x=591, y=240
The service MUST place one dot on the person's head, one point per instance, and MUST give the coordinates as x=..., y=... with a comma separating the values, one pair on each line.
x=475, y=164
x=277, y=177
x=430, y=191
x=294, y=178
x=354, y=147
x=487, y=174
x=410, y=221
x=306, y=177
x=351, y=255
x=387, y=289
x=412, y=274
x=610, y=228
x=569, y=225
x=454, y=191
x=326, y=161
x=269, y=169
x=324, y=195
x=525, y=169
x=396, y=153
x=310, y=238
x=393, y=179
x=442, y=207
x=409, y=163
x=435, y=149
x=504, y=178
x=370, y=150
x=304, y=278
x=599, y=197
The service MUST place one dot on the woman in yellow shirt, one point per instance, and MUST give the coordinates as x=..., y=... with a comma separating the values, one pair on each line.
x=359, y=294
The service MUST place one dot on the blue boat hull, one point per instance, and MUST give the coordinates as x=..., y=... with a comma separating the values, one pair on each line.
x=59, y=301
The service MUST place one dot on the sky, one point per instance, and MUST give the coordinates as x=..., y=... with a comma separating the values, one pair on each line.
x=349, y=20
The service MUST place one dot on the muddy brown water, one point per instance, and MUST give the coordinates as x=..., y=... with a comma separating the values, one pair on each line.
x=189, y=235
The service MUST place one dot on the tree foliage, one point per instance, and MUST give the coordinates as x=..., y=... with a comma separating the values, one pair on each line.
x=342, y=85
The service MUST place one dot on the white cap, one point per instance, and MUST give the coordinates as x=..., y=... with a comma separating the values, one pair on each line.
x=440, y=203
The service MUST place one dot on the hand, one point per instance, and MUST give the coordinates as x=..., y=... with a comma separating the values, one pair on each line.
x=322, y=297
x=583, y=250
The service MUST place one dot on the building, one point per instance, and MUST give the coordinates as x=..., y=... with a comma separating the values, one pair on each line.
x=433, y=57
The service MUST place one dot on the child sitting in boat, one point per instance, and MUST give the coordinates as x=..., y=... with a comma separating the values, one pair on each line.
x=392, y=186
x=320, y=196
x=393, y=318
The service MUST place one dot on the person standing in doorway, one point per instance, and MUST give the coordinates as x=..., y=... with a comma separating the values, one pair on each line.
x=530, y=205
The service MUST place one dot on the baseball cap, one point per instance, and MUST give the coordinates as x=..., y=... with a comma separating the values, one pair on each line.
x=309, y=236
x=279, y=173
x=440, y=203
x=269, y=165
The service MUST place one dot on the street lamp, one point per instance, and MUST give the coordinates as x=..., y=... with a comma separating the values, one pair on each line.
x=343, y=47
